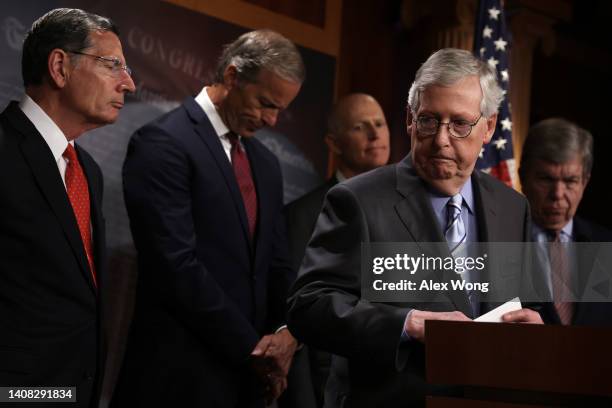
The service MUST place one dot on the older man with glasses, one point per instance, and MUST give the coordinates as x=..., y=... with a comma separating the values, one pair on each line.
x=52, y=244
x=433, y=195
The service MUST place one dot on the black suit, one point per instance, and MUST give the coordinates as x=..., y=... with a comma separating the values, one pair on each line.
x=310, y=367
x=49, y=309
x=206, y=292
x=389, y=204
x=586, y=313
x=302, y=216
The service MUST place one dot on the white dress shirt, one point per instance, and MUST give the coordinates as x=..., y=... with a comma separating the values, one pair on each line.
x=51, y=133
x=203, y=100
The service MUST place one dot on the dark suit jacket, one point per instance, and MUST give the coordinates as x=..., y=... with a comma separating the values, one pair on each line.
x=302, y=216
x=49, y=309
x=389, y=204
x=206, y=293
x=586, y=313
x=310, y=367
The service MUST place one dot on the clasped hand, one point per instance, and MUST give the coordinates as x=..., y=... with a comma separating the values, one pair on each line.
x=271, y=359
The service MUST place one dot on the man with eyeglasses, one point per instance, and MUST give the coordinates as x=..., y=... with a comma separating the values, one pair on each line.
x=433, y=195
x=52, y=242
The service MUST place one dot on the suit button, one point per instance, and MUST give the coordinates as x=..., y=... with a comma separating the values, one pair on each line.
x=254, y=278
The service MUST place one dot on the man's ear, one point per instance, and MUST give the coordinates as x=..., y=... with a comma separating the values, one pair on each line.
x=409, y=120
x=587, y=177
x=230, y=76
x=59, y=65
x=491, y=123
x=332, y=144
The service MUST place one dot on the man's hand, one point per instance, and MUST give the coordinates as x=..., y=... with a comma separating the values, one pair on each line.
x=415, y=325
x=522, y=316
x=271, y=361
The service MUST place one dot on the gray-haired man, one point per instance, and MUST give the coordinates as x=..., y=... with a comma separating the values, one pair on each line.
x=555, y=169
x=452, y=113
x=205, y=200
x=52, y=239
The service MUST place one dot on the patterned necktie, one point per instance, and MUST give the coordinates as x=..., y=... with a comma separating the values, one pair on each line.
x=242, y=170
x=455, y=229
x=560, y=278
x=456, y=235
x=78, y=193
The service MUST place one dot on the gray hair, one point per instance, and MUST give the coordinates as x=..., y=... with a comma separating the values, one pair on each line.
x=63, y=28
x=447, y=66
x=262, y=49
x=558, y=141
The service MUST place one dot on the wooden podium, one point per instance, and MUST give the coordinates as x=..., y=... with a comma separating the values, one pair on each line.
x=519, y=365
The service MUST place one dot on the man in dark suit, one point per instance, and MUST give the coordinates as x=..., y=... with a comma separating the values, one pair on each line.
x=51, y=230
x=358, y=139
x=424, y=198
x=205, y=204
x=555, y=169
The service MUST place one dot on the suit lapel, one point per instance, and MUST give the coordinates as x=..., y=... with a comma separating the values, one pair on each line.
x=486, y=219
x=208, y=134
x=97, y=220
x=39, y=158
x=416, y=214
x=486, y=209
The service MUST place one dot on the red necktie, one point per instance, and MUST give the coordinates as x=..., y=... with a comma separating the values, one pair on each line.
x=242, y=170
x=561, y=279
x=78, y=193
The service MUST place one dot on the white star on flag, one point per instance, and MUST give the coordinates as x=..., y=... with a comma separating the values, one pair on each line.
x=504, y=75
x=494, y=13
x=500, y=44
x=492, y=62
x=506, y=124
x=482, y=51
x=500, y=143
x=481, y=154
x=487, y=31
x=504, y=92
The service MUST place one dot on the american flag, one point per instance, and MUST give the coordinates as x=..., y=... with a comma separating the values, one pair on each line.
x=492, y=44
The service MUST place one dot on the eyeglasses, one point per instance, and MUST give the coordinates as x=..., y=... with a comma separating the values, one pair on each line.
x=458, y=128
x=116, y=66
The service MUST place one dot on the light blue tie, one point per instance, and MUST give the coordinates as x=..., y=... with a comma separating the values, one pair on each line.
x=456, y=236
x=455, y=229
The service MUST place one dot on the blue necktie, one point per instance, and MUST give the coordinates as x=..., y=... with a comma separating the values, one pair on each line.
x=456, y=235
x=455, y=229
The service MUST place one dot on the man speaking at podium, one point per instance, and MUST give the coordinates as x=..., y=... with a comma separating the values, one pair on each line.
x=433, y=195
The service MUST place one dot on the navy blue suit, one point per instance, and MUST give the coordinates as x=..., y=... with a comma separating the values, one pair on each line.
x=206, y=292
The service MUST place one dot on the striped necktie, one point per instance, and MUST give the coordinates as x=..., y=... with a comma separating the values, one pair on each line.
x=560, y=278
x=455, y=229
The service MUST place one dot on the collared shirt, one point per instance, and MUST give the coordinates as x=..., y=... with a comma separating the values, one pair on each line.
x=339, y=176
x=468, y=215
x=438, y=203
x=203, y=100
x=48, y=129
x=542, y=237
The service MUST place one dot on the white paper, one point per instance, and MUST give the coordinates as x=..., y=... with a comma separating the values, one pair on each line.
x=494, y=316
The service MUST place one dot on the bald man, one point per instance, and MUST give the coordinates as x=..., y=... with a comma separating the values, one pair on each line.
x=358, y=138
